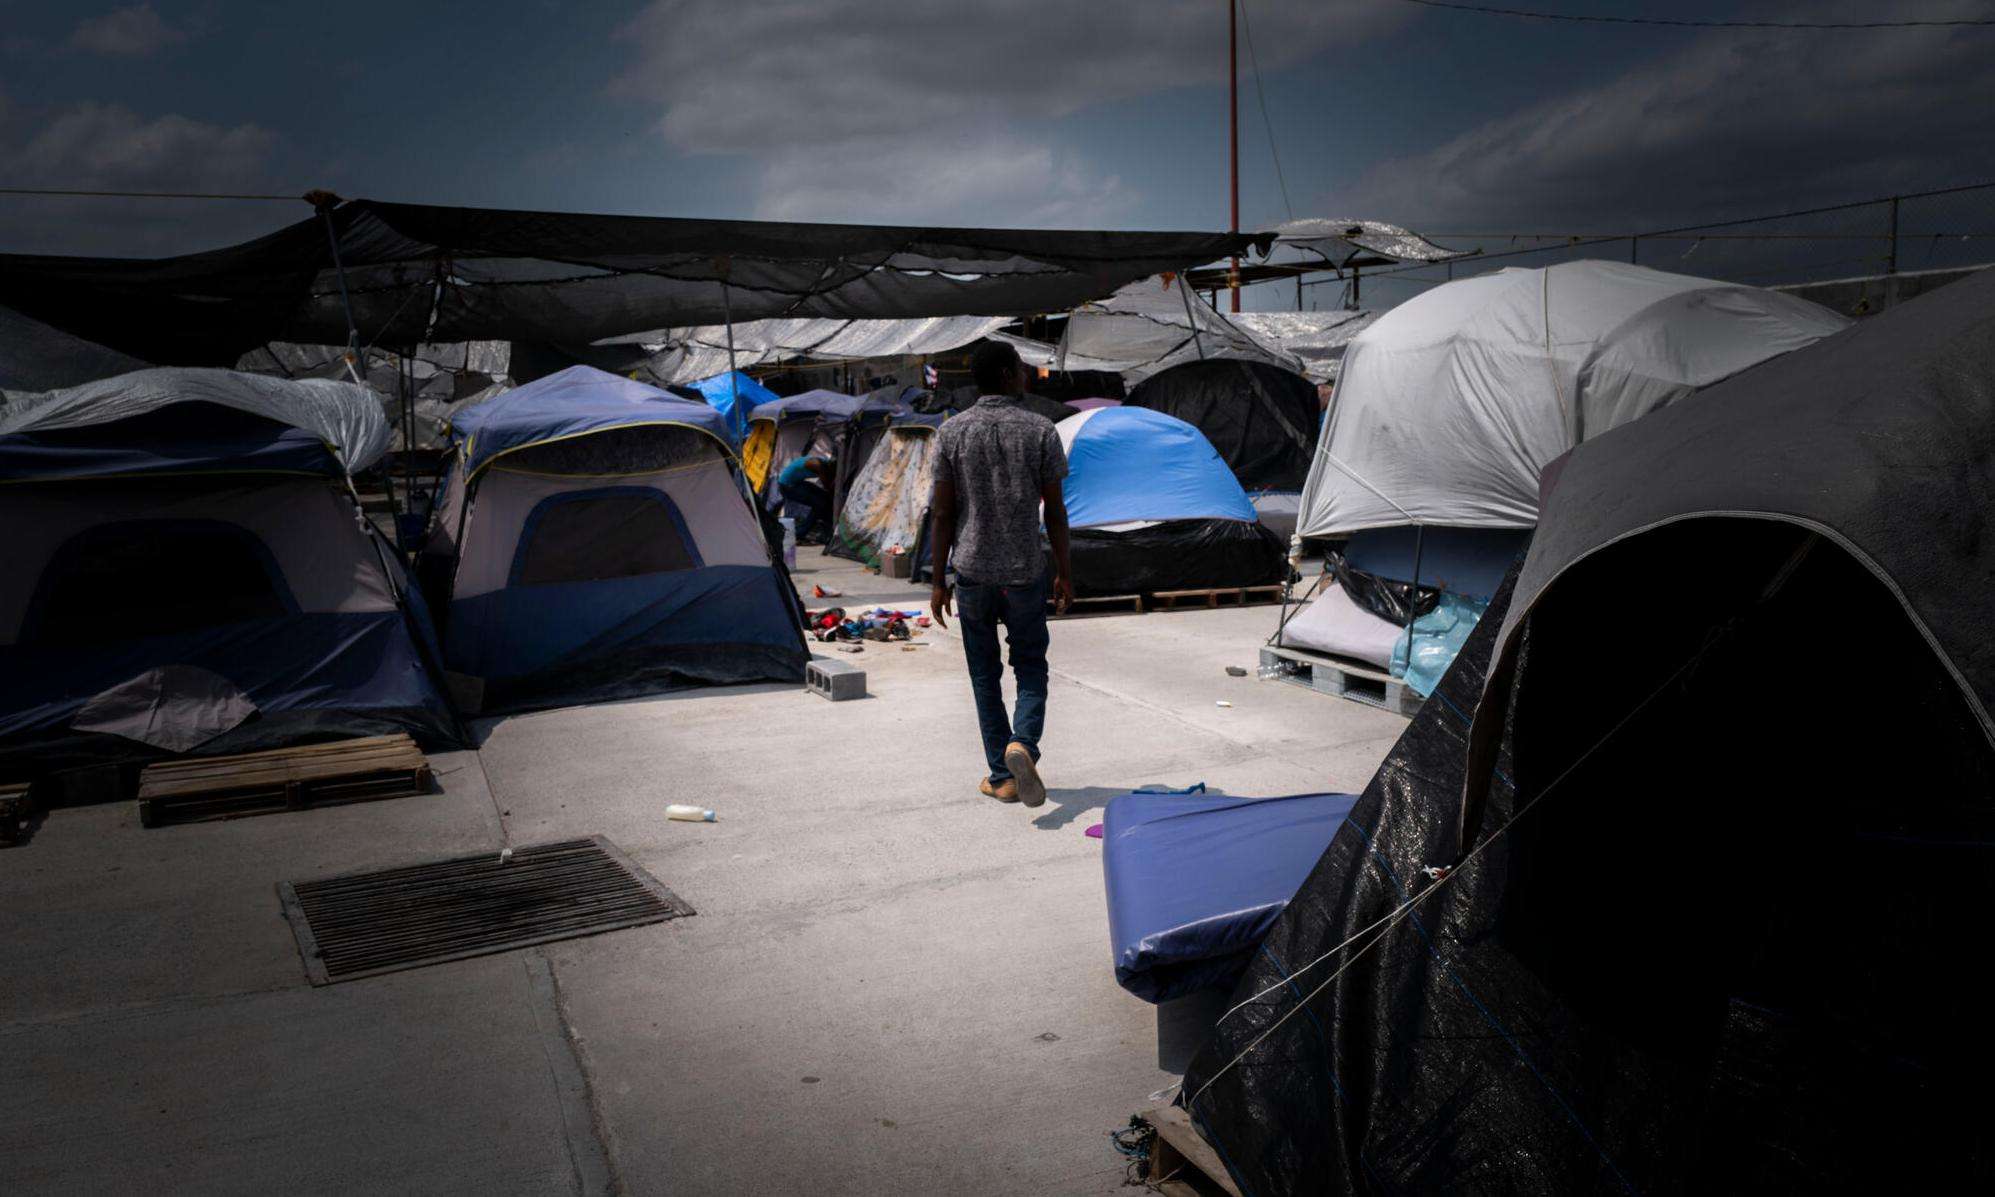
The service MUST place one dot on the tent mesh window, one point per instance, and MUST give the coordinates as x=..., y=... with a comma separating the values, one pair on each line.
x=596, y=535
x=641, y=449
x=143, y=578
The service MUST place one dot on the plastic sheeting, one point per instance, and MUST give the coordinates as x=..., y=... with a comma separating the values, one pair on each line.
x=1130, y=464
x=734, y=396
x=1175, y=555
x=347, y=418
x=1195, y=880
x=682, y=354
x=1153, y=325
x=416, y=273
x=1427, y=646
x=1262, y=419
x=1318, y=340
x=1451, y=404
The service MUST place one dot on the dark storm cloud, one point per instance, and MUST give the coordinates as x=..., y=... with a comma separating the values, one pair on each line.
x=132, y=32
x=1730, y=124
x=935, y=109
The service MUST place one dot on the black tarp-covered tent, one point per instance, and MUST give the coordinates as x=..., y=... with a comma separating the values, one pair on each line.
x=412, y=273
x=1261, y=418
x=1720, y=849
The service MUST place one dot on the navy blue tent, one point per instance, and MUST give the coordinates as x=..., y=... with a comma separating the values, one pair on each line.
x=596, y=541
x=187, y=572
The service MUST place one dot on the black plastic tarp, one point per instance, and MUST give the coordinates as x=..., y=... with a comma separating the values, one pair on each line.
x=1262, y=419
x=416, y=273
x=1175, y=555
x=1702, y=925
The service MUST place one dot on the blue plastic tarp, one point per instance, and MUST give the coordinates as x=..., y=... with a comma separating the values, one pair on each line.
x=1428, y=646
x=1195, y=881
x=571, y=402
x=734, y=395
x=1131, y=463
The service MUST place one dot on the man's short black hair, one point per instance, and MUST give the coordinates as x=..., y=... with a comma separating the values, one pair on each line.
x=992, y=365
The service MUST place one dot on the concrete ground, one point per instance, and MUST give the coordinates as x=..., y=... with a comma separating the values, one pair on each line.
x=891, y=986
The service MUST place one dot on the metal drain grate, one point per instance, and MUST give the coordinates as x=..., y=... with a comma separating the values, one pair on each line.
x=365, y=924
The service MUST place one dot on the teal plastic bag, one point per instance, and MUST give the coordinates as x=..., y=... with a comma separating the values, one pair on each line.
x=1428, y=647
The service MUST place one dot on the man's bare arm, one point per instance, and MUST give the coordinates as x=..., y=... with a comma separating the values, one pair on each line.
x=1056, y=533
x=941, y=534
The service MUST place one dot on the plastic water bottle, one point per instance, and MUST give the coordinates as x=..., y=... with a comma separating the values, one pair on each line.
x=688, y=814
x=789, y=541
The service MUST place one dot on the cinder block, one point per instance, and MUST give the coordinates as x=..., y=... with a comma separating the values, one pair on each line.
x=834, y=680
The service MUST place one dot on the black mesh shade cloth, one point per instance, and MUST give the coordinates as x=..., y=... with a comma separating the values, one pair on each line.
x=417, y=273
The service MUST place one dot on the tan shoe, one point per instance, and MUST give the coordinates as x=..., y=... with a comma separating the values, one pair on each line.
x=1025, y=771
x=1004, y=792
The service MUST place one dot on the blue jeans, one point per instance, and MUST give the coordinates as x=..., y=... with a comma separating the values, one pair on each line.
x=811, y=497
x=980, y=608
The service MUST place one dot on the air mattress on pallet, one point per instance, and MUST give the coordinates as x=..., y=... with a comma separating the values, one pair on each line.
x=1195, y=881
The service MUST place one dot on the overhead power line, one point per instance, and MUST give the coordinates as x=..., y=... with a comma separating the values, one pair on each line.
x=1679, y=23
x=199, y=195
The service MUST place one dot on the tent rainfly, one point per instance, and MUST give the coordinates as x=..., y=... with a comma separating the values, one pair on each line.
x=1451, y=404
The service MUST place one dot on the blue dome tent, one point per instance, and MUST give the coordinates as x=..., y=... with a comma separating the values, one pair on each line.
x=596, y=542
x=187, y=572
x=1154, y=507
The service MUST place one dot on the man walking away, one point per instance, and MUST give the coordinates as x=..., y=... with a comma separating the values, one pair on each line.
x=995, y=464
x=797, y=486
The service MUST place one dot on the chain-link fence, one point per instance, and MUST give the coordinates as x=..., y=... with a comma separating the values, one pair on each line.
x=1903, y=235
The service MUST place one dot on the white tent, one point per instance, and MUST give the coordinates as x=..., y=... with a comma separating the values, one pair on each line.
x=1451, y=404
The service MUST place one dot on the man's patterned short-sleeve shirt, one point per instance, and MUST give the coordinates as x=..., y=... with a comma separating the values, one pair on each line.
x=1000, y=457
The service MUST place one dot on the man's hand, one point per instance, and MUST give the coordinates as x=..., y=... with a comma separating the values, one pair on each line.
x=1063, y=593
x=938, y=602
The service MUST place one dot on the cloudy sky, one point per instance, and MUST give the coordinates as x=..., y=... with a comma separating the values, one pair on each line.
x=1109, y=113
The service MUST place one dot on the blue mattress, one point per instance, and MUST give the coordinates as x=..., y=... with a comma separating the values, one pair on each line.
x=1195, y=881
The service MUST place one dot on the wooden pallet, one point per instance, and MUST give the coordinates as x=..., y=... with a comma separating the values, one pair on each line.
x=1182, y=1163
x=15, y=807
x=1238, y=596
x=1340, y=677
x=252, y=783
x=1099, y=604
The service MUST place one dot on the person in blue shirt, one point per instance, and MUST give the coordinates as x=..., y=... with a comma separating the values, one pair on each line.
x=797, y=484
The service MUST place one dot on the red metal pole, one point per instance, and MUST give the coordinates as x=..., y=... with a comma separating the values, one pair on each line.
x=1233, y=132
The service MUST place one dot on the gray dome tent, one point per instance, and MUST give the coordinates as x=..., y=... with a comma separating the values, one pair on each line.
x=1698, y=917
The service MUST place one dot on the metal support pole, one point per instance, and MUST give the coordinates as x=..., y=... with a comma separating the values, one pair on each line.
x=1634, y=251
x=1184, y=293
x=1233, y=133
x=1891, y=261
x=733, y=375
x=1357, y=300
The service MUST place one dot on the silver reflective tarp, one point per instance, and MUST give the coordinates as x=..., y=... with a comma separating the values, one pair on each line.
x=345, y=416
x=683, y=355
